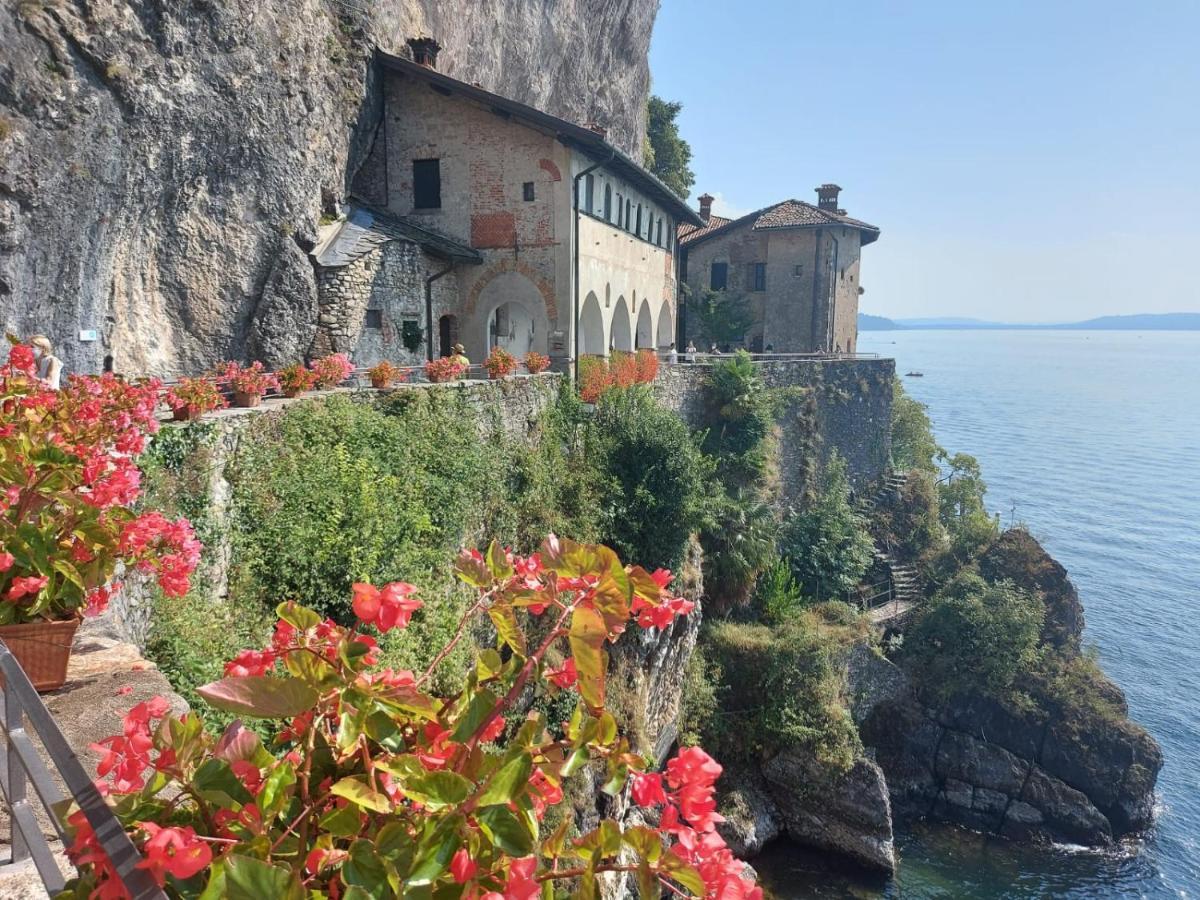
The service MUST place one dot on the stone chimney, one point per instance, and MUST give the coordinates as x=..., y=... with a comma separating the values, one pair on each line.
x=425, y=51
x=706, y=202
x=827, y=198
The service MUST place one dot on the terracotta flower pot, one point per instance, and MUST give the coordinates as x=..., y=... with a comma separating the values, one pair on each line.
x=292, y=393
x=381, y=383
x=43, y=649
x=245, y=400
x=183, y=414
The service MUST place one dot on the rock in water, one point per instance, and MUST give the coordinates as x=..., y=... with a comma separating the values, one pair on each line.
x=846, y=813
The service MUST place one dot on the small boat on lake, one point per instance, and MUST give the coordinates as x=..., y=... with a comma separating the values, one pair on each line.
x=914, y=374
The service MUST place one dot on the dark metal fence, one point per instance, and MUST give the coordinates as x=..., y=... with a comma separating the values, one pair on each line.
x=21, y=765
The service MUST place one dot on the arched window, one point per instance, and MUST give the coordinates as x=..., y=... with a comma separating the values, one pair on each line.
x=628, y=218
x=658, y=240
x=620, y=212
x=649, y=225
x=589, y=193
x=608, y=203
x=638, y=230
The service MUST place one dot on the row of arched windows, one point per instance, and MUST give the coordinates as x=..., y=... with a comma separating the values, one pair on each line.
x=627, y=216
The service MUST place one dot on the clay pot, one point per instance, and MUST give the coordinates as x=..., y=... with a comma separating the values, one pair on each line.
x=246, y=401
x=183, y=414
x=292, y=393
x=43, y=649
x=380, y=383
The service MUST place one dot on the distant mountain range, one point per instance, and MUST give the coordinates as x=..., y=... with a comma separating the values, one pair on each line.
x=1140, y=322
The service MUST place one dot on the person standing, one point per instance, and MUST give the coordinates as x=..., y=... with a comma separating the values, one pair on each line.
x=673, y=355
x=460, y=356
x=49, y=366
x=689, y=355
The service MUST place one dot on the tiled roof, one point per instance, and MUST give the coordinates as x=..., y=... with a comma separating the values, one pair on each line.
x=587, y=141
x=364, y=228
x=788, y=214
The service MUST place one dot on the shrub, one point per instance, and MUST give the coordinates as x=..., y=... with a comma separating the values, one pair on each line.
x=444, y=368
x=536, y=362
x=195, y=396
x=827, y=545
x=656, y=478
x=913, y=444
x=623, y=368
x=974, y=636
x=67, y=518
x=379, y=787
x=332, y=370
x=777, y=597
x=594, y=378
x=779, y=688
x=739, y=543
x=646, y=365
x=738, y=420
x=910, y=525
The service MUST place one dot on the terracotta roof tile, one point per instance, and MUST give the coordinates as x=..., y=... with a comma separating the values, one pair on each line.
x=788, y=214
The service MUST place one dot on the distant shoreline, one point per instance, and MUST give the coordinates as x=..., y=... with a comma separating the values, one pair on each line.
x=1155, y=322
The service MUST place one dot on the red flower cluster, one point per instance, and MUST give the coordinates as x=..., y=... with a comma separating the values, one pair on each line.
x=173, y=851
x=387, y=609
x=253, y=380
x=332, y=370
x=127, y=755
x=169, y=549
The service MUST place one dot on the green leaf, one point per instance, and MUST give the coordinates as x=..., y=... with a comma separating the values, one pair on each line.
x=299, y=616
x=262, y=696
x=364, y=869
x=505, y=620
x=435, y=851
x=356, y=791
x=575, y=762
x=509, y=780
x=274, y=793
x=488, y=664
x=438, y=789
x=497, y=561
x=252, y=879
x=478, y=709
x=215, y=782
x=587, y=636
x=684, y=874
x=342, y=822
x=505, y=830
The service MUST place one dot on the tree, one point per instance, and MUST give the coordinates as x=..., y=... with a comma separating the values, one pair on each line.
x=975, y=637
x=827, y=545
x=913, y=444
x=962, y=510
x=722, y=318
x=667, y=154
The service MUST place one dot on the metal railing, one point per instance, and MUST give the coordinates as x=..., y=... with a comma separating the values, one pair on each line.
x=21, y=765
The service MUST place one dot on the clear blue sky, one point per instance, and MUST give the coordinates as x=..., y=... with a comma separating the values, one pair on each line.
x=1027, y=161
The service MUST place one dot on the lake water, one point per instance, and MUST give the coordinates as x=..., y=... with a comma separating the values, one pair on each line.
x=1092, y=440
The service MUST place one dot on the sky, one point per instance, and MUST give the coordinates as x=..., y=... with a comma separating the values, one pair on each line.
x=1026, y=161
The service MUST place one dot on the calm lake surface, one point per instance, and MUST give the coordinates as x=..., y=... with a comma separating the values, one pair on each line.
x=1092, y=440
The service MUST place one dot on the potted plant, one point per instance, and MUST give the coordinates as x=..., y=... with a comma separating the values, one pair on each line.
x=445, y=368
x=332, y=370
x=295, y=379
x=500, y=363
x=384, y=373
x=67, y=518
x=248, y=383
x=536, y=362
x=193, y=397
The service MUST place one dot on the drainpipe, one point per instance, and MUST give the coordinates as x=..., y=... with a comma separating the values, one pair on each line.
x=575, y=201
x=429, y=308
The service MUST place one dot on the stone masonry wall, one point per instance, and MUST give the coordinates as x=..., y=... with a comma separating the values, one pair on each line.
x=507, y=407
x=842, y=405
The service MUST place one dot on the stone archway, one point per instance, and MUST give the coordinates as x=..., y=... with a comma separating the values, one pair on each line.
x=511, y=314
x=592, y=340
x=622, y=332
x=645, y=328
x=666, y=326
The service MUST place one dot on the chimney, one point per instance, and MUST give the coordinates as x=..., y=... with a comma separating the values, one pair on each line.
x=827, y=198
x=598, y=128
x=706, y=202
x=425, y=51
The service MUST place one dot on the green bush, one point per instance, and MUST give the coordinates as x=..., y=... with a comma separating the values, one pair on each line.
x=738, y=421
x=913, y=444
x=779, y=687
x=975, y=637
x=739, y=543
x=777, y=597
x=654, y=478
x=827, y=545
x=911, y=525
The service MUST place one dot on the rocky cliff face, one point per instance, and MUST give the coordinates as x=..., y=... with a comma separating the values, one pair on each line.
x=163, y=166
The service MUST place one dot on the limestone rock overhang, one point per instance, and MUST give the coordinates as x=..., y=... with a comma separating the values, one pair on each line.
x=585, y=140
x=365, y=228
x=784, y=215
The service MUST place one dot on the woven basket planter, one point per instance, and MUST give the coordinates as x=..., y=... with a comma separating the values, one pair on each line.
x=43, y=649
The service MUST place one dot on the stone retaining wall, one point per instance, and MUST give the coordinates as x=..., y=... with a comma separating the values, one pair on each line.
x=842, y=405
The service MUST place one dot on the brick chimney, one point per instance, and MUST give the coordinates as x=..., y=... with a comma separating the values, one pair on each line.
x=827, y=198
x=706, y=202
x=425, y=51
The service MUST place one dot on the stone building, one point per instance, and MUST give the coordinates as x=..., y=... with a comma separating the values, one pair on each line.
x=480, y=220
x=796, y=264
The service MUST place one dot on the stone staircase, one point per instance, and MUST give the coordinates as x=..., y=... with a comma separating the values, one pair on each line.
x=905, y=581
x=889, y=489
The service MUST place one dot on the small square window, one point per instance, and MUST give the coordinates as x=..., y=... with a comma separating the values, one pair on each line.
x=374, y=319
x=527, y=190
x=798, y=271
x=427, y=183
